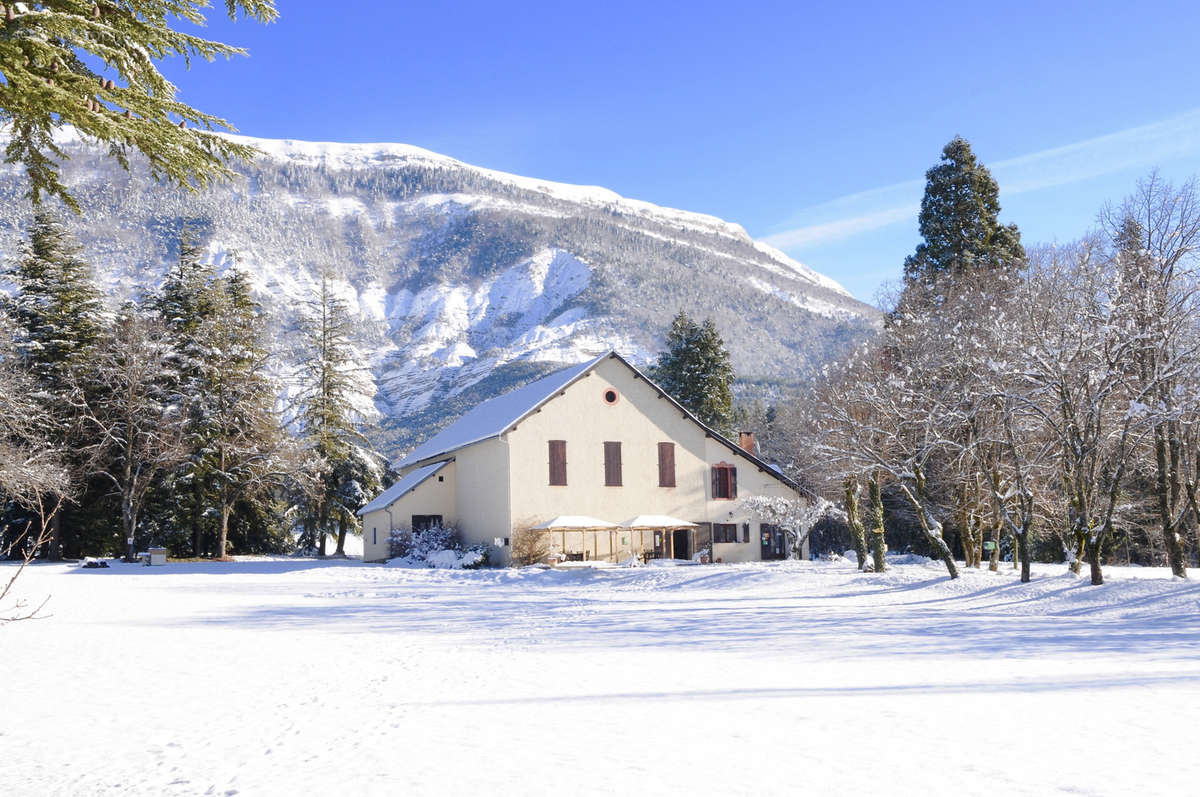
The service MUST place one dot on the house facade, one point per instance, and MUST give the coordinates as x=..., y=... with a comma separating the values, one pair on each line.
x=599, y=457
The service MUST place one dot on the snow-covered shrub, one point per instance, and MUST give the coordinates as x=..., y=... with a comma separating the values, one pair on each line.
x=437, y=546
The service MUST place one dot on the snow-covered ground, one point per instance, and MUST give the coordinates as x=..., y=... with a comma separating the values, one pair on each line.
x=288, y=677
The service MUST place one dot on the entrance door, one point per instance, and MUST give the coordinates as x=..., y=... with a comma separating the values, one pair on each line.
x=773, y=543
x=682, y=538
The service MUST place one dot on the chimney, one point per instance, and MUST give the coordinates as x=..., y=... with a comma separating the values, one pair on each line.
x=747, y=443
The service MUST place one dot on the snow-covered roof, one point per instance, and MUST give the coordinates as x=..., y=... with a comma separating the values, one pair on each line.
x=401, y=487
x=656, y=522
x=494, y=416
x=568, y=522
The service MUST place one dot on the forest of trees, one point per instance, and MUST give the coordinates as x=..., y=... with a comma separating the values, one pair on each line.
x=160, y=423
x=1023, y=405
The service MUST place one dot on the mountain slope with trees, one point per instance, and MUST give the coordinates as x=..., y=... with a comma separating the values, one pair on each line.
x=459, y=281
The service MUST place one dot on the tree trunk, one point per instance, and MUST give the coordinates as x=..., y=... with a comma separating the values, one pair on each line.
x=965, y=520
x=54, y=550
x=1080, y=551
x=223, y=535
x=994, y=559
x=127, y=524
x=858, y=534
x=341, y=538
x=1093, y=557
x=1162, y=486
x=929, y=525
x=1022, y=540
x=878, y=540
x=322, y=528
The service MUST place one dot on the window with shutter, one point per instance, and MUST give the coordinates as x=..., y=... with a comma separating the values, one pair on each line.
x=666, y=464
x=724, y=481
x=612, y=464
x=725, y=532
x=558, y=463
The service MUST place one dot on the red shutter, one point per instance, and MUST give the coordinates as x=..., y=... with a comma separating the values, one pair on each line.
x=558, y=462
x=612, y=464
x=666, y=464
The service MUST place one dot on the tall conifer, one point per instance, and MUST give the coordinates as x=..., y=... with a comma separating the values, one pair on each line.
x=958, y=221
x=695, y=369
x=58, y=314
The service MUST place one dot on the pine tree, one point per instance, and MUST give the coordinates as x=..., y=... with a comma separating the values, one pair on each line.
x=958, y=222
x=58, y=315
x=695, y=370
x=187, y=304
x=249, y=452
x=57, y=307
x=331, y=386
x=47, y=54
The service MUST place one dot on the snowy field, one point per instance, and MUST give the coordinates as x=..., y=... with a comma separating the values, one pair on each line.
x=289, y=677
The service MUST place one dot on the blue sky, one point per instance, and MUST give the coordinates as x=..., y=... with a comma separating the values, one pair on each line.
x=810, y=126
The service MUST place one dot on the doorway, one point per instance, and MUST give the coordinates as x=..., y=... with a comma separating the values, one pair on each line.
x=681, y=540
x=774, y=542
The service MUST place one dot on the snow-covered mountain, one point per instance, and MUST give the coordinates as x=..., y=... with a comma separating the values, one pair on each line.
x=465, y=280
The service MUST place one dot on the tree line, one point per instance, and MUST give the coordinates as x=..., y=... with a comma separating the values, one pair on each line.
x=161, y=423
x=1040, y=404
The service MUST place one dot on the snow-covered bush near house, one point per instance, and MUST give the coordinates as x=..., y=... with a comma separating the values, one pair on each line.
x=436, y=546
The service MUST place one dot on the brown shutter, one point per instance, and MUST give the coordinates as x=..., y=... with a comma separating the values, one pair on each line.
x=716, y=482
x=666, y=464
x=558, y=462
x=612, y=464
x=733, y=482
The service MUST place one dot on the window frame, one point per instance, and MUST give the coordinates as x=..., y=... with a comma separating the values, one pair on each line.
x=613, y=476
x=553, y=472
x=666, y=478
x=427, y=523
x=729, y=472
x=725, y=533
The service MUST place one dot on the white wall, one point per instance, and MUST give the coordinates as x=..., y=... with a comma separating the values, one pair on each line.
x=434, y=496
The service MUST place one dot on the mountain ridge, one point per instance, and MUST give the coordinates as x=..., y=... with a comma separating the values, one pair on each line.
x=464, y=281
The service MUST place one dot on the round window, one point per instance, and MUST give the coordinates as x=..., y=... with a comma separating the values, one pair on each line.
x=610, y=396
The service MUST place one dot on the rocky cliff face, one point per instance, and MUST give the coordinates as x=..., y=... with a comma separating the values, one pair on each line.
x=465, y=281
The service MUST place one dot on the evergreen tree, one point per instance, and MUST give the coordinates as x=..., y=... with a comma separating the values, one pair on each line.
x=187, y=304
x=696, y=371
x=48, y=51
x=57, y=308
x=58, y=315
x=249, y=452
x=358, y=479
x=958, y=223
x=331, y=385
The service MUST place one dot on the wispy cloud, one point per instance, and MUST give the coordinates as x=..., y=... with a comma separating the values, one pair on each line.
x=1143, y=146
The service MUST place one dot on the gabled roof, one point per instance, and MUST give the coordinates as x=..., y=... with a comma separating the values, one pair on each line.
x=493, y=417
x=496, y=416
x=401, y=487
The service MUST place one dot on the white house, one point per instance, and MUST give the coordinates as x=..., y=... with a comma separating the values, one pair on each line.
x=598, y=458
